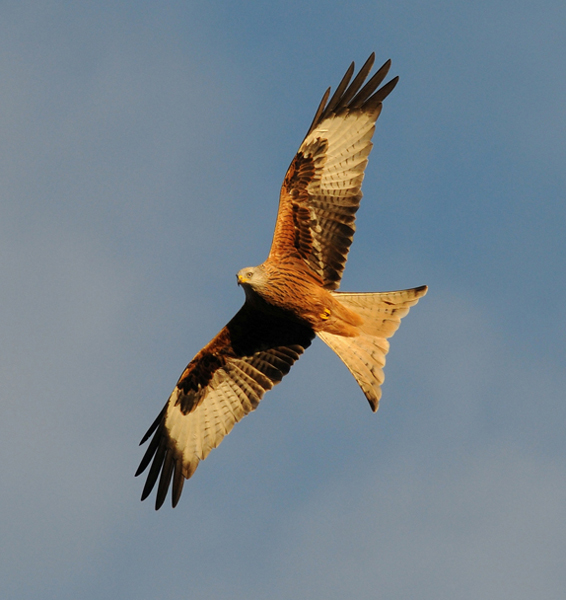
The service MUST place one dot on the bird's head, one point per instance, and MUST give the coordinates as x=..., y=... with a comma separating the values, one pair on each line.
x=251, y=277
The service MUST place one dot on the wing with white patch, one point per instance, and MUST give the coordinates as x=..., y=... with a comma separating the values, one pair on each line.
x=322, y=188
x=221, y=385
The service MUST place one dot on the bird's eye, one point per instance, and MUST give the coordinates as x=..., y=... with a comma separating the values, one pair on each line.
x=249, y=274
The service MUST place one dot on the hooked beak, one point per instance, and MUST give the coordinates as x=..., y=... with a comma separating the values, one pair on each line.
x=241, y=279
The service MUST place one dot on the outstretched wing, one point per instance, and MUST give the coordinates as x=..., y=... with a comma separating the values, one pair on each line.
x=322, y=188
x=221, y=385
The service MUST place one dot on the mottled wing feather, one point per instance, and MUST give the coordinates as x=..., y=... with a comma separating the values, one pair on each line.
x=321, y=191
x=222, y=384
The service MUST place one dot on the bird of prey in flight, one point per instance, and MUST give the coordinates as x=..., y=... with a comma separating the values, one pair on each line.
x=292, y=296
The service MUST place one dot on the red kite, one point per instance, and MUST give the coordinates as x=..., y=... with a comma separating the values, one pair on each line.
x=291, y=296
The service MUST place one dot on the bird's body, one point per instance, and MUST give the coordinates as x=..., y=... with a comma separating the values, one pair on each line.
x=294, y=290
x=291, y=297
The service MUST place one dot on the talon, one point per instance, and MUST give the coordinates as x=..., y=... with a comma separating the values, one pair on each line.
x=325, y=315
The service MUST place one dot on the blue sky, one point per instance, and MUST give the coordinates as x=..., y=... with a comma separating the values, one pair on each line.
x=143, y=147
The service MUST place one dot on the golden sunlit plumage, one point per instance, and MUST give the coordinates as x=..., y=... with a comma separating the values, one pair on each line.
x=291, y=297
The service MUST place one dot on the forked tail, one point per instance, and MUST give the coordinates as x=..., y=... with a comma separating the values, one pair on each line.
x=364, y=355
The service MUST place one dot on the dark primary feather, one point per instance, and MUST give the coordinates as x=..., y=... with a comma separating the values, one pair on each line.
x=339, y=102
x=341, y=97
